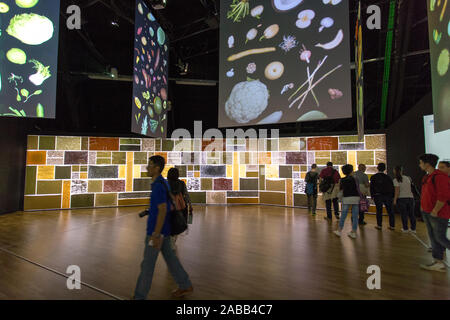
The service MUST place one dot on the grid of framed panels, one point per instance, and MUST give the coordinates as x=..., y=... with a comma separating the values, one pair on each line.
x=83, y=172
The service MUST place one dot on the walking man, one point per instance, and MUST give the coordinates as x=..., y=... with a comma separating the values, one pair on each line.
x=158, y=237
x=435, y=209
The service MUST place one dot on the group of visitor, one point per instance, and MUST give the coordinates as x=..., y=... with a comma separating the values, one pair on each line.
x=353, y=189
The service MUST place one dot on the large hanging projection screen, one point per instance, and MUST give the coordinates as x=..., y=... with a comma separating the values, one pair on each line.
x=28, y=58
x=284, y=61
x=150, y=80
x=439, y=35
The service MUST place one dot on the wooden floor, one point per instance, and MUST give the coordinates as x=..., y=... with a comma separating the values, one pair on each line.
x=239, y=252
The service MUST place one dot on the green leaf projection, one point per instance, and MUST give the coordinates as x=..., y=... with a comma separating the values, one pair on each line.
x=28, y=57
x=439, y=34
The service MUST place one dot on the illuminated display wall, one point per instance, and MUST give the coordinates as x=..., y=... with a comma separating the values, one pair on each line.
x=75, y=172
x=284, y=61
x=151, y=70
x=28, y=57
x=439, y=35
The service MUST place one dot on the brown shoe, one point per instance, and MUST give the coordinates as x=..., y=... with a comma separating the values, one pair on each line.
x=178, y=293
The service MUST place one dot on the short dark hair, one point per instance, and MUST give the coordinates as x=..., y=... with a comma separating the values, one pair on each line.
x=329, y=164
x=347, y=169
x=381, y=167
x=429, y=158
x=447, y=163
x=173, y=174
x=159, y=162
x=314, y=166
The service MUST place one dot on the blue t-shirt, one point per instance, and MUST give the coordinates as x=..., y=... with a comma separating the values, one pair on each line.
x=159, y=195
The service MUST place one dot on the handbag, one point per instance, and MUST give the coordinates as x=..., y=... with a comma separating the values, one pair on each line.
x=178, y=223
x=363, y=202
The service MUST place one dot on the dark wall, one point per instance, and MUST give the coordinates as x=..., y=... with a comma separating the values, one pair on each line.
x=405, y=139
x=12, y=164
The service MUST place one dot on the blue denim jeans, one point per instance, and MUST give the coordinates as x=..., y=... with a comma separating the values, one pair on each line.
x=144, y=282
x=437, y=231
x=355, y=213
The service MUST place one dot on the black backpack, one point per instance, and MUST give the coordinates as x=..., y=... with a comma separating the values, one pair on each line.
x=177, y=219
x=383, y=185
x=327, y=182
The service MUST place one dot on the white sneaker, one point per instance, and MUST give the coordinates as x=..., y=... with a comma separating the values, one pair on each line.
x=337, y=232
x=405, y=231
x=413, y=231
x=352, y=235
x=434, y=266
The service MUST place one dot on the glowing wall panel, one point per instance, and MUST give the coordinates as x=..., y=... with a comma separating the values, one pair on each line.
x=151, y=75
x=439, y=35
x=284, y=61
x=29, y=32
x=77, y=172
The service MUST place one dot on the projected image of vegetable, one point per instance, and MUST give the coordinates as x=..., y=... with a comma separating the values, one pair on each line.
x=31, y=29
x=150, y=87
x=30, y=42
x=439, y=40
x=284, y=61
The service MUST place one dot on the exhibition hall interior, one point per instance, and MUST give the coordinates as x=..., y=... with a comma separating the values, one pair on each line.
x=268, y=149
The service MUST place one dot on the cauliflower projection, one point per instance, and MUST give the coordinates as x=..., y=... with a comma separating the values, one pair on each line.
x=31, y=29
x=247, y=101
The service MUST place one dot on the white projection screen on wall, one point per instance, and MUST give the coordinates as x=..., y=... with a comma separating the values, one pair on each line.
x=284, y=61
x=436, y=143
x=439, y=35
x=28, y=58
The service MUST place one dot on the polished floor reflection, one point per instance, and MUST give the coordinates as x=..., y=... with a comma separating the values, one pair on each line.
x=237, y=252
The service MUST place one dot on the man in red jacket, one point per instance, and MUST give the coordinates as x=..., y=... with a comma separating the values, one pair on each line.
x=434, y=202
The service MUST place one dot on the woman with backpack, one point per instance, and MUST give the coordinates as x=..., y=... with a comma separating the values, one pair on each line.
x=180, y=194
x=404, y=199
x=311, y=189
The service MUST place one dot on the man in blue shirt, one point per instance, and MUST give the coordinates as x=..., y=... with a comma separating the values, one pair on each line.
x=158, y=236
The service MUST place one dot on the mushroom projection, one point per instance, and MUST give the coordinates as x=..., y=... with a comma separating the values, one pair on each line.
x=304, y=19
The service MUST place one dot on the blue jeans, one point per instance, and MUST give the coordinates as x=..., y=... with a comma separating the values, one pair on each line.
x=406, y=208
x=148, y=267
x=437, y=231
x=355, y=213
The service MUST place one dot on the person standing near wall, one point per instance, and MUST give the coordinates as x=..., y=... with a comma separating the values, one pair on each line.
x=363, y=181
x=350, y=200
x=329, y=186
x=382, y=192
x=404, y=199
x=158, y=237
x=435, y=207
x=311, y=189
x=444, y=166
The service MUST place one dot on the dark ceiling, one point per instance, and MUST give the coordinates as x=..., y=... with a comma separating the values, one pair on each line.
x=103, y=107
